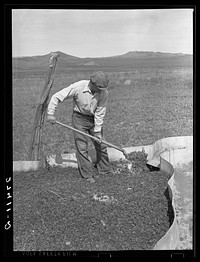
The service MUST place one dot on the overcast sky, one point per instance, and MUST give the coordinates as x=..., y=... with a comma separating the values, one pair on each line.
x=97, y=33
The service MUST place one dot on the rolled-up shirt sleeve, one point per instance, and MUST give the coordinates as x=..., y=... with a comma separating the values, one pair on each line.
x=100, y=111
x=58, y=97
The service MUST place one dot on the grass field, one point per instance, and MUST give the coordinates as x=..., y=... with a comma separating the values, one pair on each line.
x=158, y=103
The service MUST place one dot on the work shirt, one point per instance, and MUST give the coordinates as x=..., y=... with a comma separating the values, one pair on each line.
x=84, y=101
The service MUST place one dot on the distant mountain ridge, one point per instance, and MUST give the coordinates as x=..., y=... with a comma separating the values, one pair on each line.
x=150, y=54
x=61, y=54
x=126, y=55
x=125, y=62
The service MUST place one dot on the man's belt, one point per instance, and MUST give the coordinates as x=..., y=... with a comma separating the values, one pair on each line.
x=83, y=115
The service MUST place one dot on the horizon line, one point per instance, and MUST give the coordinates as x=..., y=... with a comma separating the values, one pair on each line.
x=180, y=53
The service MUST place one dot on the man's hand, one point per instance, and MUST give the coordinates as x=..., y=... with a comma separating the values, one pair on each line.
x=99, y=136
x=51, y=119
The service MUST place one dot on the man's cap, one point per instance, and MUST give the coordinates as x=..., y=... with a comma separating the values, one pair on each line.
x=100, y=79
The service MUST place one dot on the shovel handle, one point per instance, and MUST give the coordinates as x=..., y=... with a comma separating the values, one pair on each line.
x=78, y=131
x=93, y=137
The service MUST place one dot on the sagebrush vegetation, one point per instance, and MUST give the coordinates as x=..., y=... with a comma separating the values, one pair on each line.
x=157, y=103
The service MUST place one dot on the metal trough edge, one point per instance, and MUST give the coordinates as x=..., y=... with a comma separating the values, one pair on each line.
x=157, y=154
x=171, y=238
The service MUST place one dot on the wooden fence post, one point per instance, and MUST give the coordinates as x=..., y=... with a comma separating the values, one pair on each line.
x=35, y=145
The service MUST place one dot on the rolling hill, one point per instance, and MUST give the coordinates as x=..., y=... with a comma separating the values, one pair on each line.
x=124, y=62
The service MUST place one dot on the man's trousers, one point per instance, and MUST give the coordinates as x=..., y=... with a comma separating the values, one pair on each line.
x=86, y=168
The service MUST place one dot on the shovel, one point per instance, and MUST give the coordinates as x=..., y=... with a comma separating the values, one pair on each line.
x=93, y=137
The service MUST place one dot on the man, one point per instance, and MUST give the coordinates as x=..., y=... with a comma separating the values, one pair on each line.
x=89, y=109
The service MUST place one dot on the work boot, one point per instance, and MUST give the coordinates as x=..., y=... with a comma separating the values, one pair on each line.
x=106, y=173
x=91, y=180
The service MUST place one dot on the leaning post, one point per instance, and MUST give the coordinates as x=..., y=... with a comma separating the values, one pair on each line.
x=35, y=144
